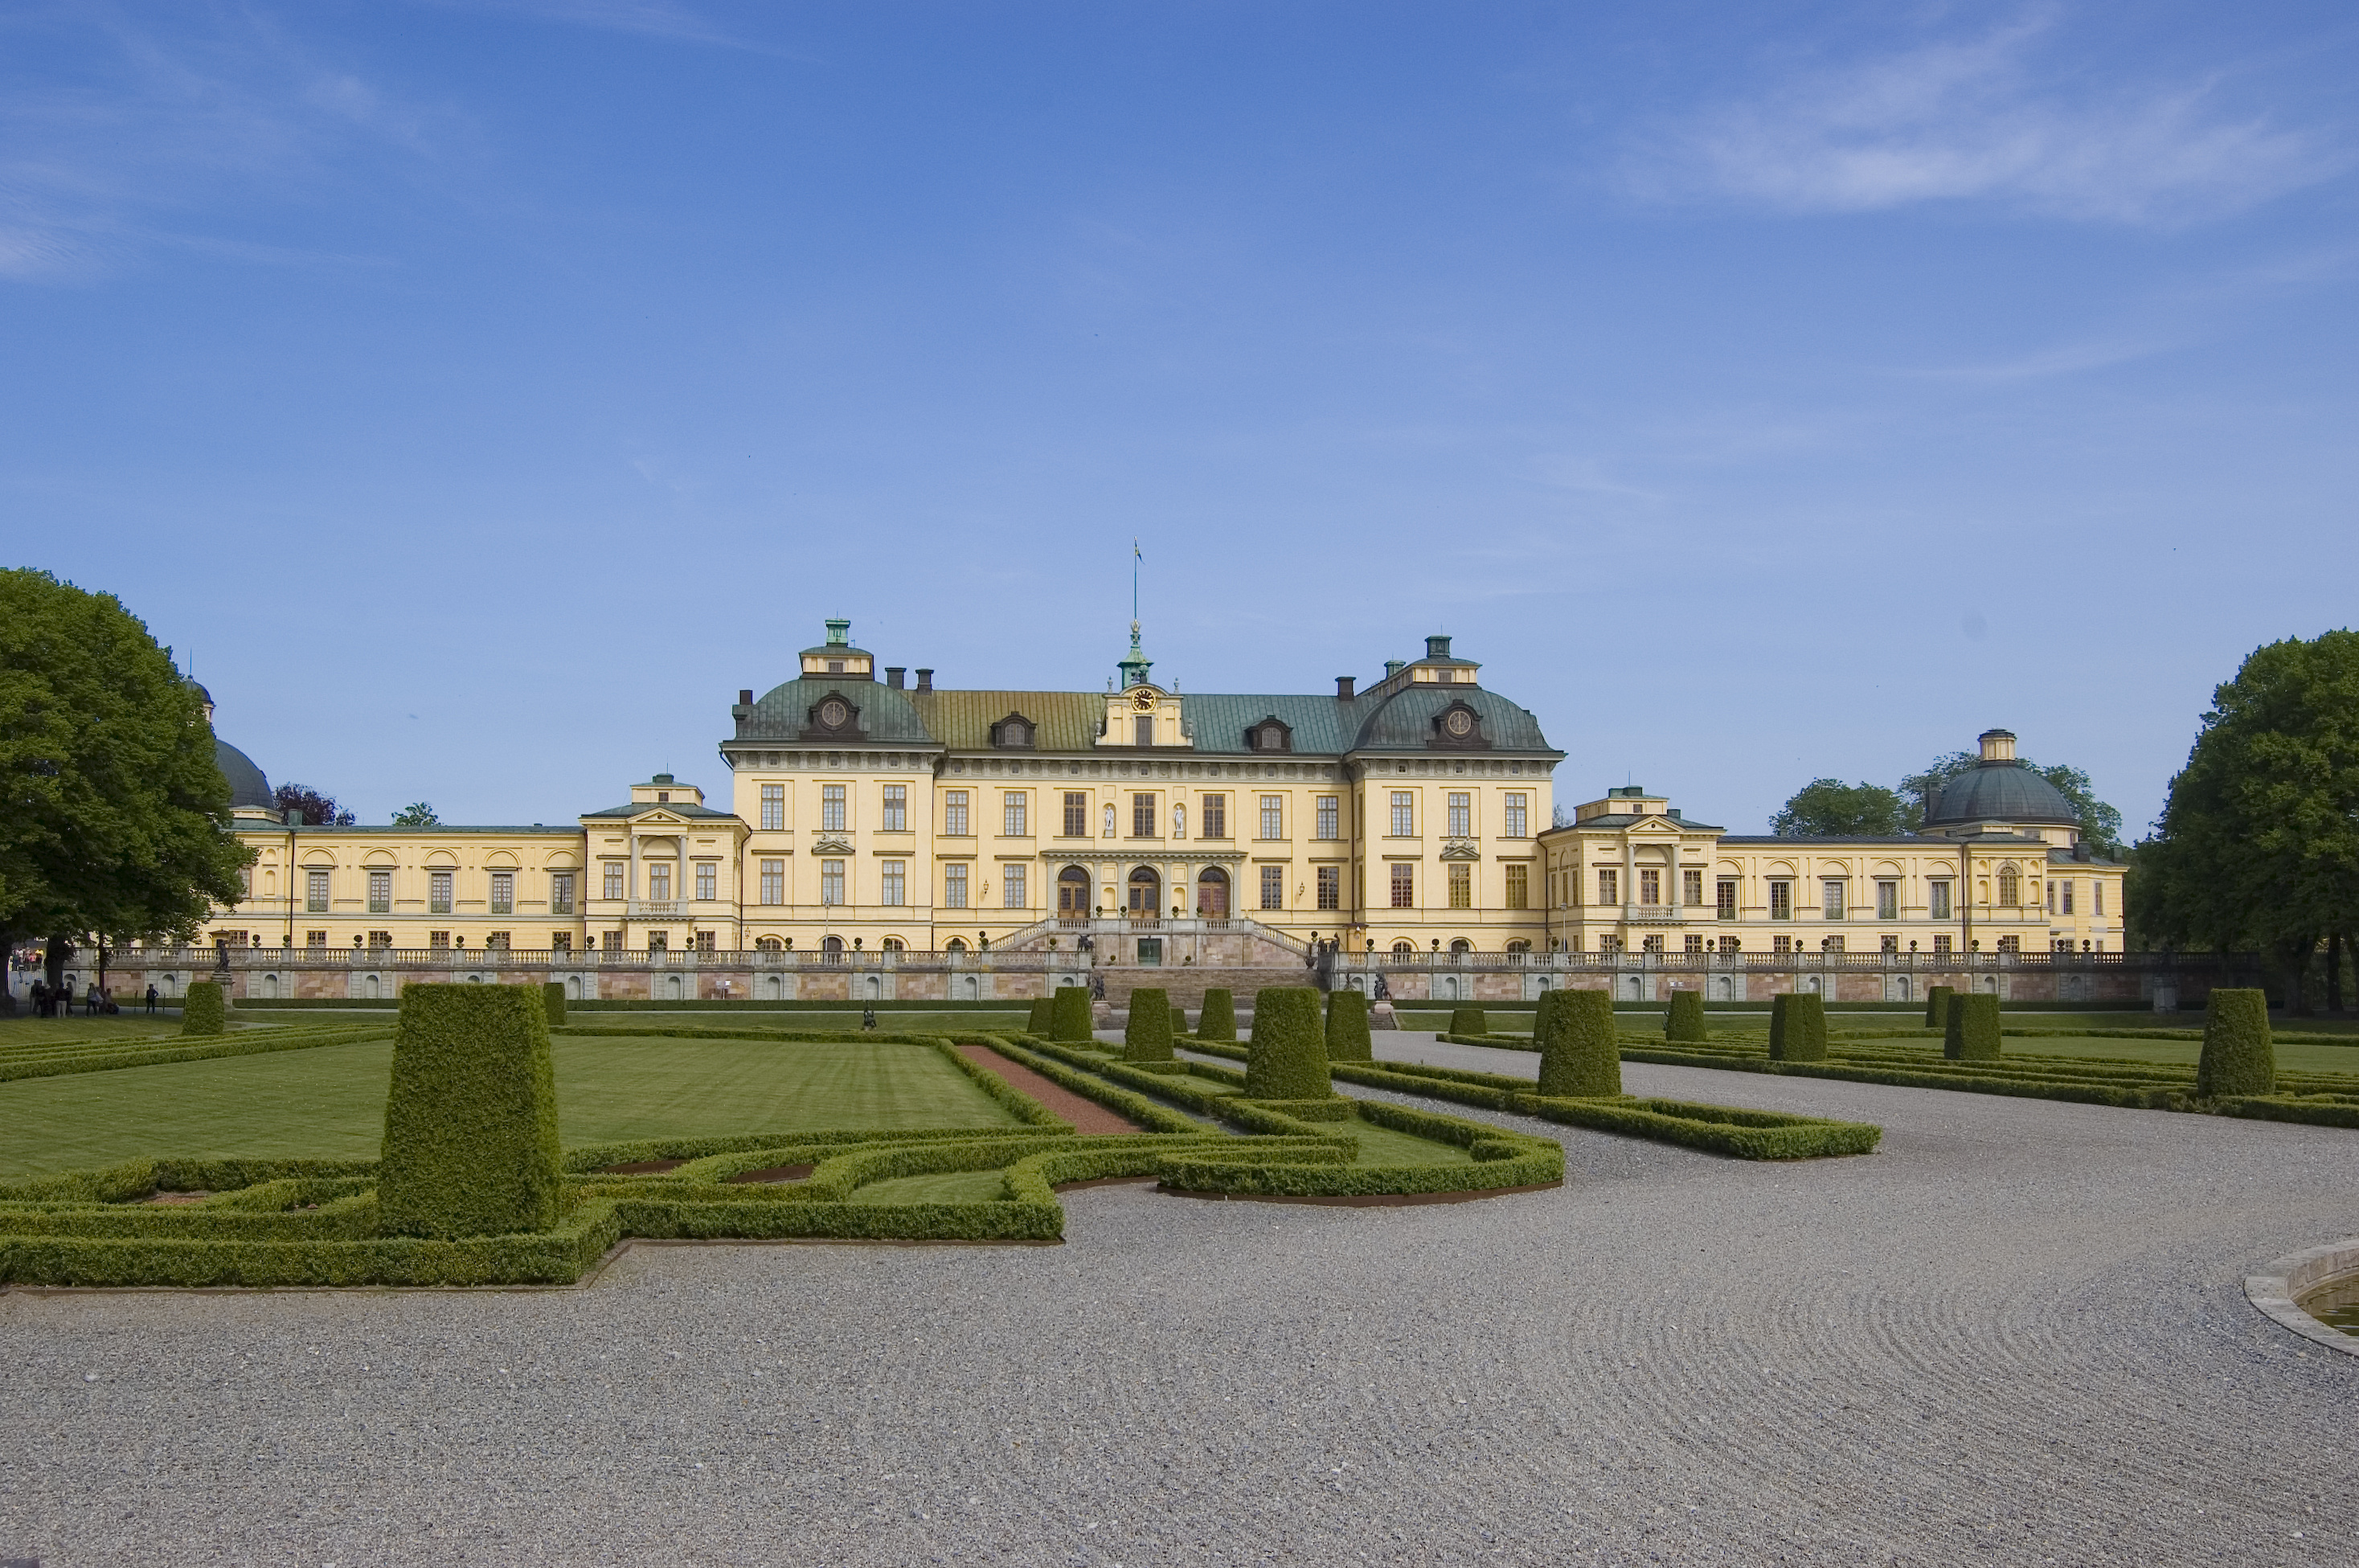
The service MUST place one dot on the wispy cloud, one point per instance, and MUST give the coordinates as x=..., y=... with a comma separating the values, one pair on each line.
x=649, y=18
x=1974, y=120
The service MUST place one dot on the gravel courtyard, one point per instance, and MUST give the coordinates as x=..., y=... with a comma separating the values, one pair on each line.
x=2016, y=1335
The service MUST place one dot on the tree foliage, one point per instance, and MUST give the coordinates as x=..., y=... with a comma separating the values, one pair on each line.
x=416, y=814
x=2259, y=839
x=1829, y=808
x=319, y=810
x=117, y=818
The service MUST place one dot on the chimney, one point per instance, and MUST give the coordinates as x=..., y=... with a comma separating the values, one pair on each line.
x=1343, y=688
x=744, y=696
x=925, y=680
x=1436, y=647
x=1998, y=746
x=893, y=675
x=1394, y=666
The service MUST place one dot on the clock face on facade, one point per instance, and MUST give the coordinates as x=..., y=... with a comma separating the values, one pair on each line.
x=1460, y=723
x=1143, y=700
x=832, y=713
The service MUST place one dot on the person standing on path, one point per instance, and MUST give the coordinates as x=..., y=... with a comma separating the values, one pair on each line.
x=151, y=1001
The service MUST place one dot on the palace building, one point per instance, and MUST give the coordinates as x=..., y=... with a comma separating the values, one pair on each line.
x=867, y=812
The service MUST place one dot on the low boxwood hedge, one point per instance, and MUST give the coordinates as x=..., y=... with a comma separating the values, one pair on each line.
x=58, y=1058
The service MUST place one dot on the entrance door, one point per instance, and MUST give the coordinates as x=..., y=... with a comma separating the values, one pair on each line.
x=1146, y=892
x=1212, y=894
x=1074, y=891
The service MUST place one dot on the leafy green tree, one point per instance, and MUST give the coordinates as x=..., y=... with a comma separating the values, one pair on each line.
x=1829, y=808
x=2259, y=840
x=319, y=810
x=416, y=814
x=118, y=818
x=2101, y=824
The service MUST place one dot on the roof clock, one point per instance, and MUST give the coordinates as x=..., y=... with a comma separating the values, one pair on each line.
x=833, y=717
x=1459, y=728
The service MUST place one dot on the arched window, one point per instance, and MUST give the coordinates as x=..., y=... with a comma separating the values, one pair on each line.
x=833, y=947
x=2010, y=885
x=1402, y=950
x=1074, y=891
x=1460, y=948
x=1212, y=893
x=956, y=944
x=895, y=944
x=770, y=945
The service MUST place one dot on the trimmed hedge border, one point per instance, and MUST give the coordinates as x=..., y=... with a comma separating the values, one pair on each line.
x=107, y=1056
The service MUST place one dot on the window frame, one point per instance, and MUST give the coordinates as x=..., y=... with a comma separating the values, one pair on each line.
x=956, y=886
x=955, y=819
x=1403, y=878
x=831, y=883
x=1461, y=885
x=773, y=886
x=1016, y=814
x=1272, y=887
x=1326, y=811
x=1331, y=887
x=1404, y=814
x=892, y=809
x=1212, y=815
x=1461, y=806
x=834, y=807
x=774, y=808
x=1272, y=818
x=892, y=885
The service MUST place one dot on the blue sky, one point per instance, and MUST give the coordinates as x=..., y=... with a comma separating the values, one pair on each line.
x=481, y=395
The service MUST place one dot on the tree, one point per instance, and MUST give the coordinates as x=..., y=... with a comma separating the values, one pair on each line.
x=1829, y=808
x=416, y=814
x=319, y=810
x=117, y=820
x=2101, y=824
x=2259, y=840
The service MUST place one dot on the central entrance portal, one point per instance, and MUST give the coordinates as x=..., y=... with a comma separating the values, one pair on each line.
x=1146, y=892
x=1212, y=894
x=1074, y=891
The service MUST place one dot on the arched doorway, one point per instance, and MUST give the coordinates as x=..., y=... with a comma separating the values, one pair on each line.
x=1212, y=893
x=833, y=948
x=1072, y=891
x=955, y=946
x=1146, y=891
x=1460, y=948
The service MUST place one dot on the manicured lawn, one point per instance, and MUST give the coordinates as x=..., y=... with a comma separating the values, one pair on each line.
x=2297, y=1057
x=74, y=1031
x=330, y=1103
x=1383, y=1146
x=945, y=1187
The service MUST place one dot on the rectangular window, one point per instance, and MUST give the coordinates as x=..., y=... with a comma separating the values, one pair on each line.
x=1142, y=816
x=613, y=889
x=1937, y=901
x=774, y=881
x=1011, y=885
x=1609, y=943
x=830, y=882
x=1690, y=888
x=1781, y=901
x=659, y=884
x=1730, y=944
x=1694, y=945
x=1330, y=817
x=774, y=808
x=1781, y=944
x=1461, y=815
x=2052, y=897
x=1891, y=944
x=897, y=810
x=2068, y=898
x=1404, y=886
x=1012, y=815
x=1404, y=814
x=708, y=881
x=504, y=892
x=560, y=893
x=1519, y=886
x=315, y=891
x=1331, y=887
x=705, y=943
x=955, y=886
x=498, y=940
x=2010, y=944
x=1216, y=816
x=1724, y=905
x=955, y=814
x=438, y=893
x=2096, y=897
x=1609, y=885
x=894, y=884
x=315, y=939
x=438, y=941
x=1941, y=943
x=1650, y=886
x=1651, y=944
x=1832, y=944
x=830, y=808
x=1831, y=898
x=1887, y=901
x=1273, y=816
x=1077, y=814
x=560, y=942
x=1273, y=886
x=1461, y=885
x=1142, y=732
x=1517, y=816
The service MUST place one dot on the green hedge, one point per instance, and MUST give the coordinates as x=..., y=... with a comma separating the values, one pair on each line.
x=1798, y=1028
x=205, y=1009
x=1217, y=1018
x=1973, y=1032
x=552, y=1002
x=2238, y=1057
x=1071, y=1017
x=1043, y=1019
x=1468, y=1020
x=1937, y=1006
x=1179, y=1020
x=1348, y=1038
x=1147, y=1036
x=1685, y=1020
x=1289, y=1058
x=57, y=1059
x=471, y=1117
x=1574, y=1031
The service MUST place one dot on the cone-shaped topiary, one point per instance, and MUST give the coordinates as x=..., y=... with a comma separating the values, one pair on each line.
x=1043, y=1019
x=1468, y=1020
x=2238, y=1056
x=204, y=1010
x=1071, y=1020
x=1685, y=1020
x=1972, y=1031
x=1798, y=1028
x=1288, y=1057
x=552, y=1002
x=471, y=1118
x=1937, y=1006
x=1179, y=1019
x=1217, y=1018
x=1574, y=1030
x=1147, y=1037
x=1347, y=1027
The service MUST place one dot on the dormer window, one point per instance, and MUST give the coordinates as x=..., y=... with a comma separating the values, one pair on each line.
x=663, y=797
x=1273, y=734
x=833, y=717
x=836, y=666
x=1014, y=733
x=1458, y=727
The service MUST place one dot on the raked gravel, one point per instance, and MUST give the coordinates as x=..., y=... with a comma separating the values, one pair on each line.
x=2014, y=1336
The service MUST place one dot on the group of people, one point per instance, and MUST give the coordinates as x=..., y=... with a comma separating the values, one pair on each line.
x=95, y=999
